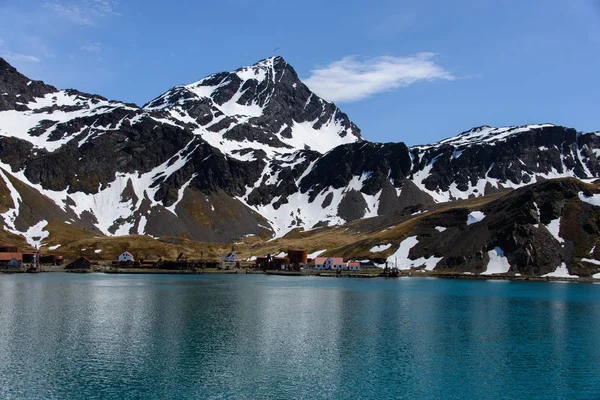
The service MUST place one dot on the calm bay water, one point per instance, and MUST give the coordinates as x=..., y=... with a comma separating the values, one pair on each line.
x=250, y=336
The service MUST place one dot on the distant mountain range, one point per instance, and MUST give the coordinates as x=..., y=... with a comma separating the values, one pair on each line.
x=247, y=152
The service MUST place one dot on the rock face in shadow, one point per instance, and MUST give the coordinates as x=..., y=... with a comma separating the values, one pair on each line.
x=537, y=228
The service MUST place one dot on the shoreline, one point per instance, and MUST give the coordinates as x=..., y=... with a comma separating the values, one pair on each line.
x=405, y=274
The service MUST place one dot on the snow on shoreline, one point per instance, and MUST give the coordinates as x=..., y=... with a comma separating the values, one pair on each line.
x=560, y=272
x=498, y=264
x=404, y=262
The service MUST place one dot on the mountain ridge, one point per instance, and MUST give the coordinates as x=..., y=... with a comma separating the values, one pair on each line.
x=220, y=163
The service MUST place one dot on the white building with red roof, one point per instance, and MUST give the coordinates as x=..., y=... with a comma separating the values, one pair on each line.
x=328, y=263
x=126, y=257
x=353, y=266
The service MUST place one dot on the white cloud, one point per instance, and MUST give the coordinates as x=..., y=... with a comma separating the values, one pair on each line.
x=352, y=79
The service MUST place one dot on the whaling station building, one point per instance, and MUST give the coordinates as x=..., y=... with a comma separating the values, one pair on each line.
x=11, y=257
x=298, y=258
x=335, y=263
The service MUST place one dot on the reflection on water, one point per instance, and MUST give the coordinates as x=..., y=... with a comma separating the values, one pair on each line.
x=157, y=336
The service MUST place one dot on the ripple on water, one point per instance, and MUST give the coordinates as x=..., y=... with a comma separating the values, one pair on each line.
x=158, y=336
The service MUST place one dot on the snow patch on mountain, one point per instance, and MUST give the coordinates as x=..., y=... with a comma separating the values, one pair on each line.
x=538, y=213
x=401, y=259
x=300, y=212
x=474, y=217
x=594, y=199
x=180, y=193
x=316, y=253
x=51, y=110
x=35, y=234
x=430, y=262
x=108, y=205
x=326, y=137
x=11, y=214
x=383, y=247
x=554, y=228
x=591, y=261
x=484, y=135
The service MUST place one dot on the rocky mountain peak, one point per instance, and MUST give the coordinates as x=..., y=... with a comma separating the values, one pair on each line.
x=263, y=107
x=16, y=89
x=274, y=65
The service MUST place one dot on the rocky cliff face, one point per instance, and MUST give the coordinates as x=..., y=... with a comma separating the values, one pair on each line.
x=550, y=228
x=483, y=159
x=251, y=151
x=362, y=180
x=16, y=90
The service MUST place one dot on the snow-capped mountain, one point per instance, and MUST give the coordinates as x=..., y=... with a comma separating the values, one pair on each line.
x=363, y=180
x=251, y=151
x=261, y=110
x=484, y=159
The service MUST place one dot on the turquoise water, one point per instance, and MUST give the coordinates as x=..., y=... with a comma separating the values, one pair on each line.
x=87, y=336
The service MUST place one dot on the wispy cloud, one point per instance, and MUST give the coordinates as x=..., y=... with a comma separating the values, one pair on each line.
x=84, y=12
x=92, y=47
x=353, y=79
x=106, y=7
x=11, y=56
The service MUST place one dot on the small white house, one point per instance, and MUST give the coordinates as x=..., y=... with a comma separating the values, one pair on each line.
x=353, y=266
x=126, y=257
x=231, y=257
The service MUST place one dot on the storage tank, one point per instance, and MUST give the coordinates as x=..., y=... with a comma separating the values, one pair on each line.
x=298, y=256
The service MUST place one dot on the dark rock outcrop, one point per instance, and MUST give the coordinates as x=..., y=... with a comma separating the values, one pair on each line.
x=16, y=90
x=512, y=224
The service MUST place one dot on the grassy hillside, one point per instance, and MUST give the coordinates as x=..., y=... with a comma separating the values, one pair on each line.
x=518, y=222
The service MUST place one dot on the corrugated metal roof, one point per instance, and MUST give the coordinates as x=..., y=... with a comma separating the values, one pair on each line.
x=10, y=256
x=335, y=260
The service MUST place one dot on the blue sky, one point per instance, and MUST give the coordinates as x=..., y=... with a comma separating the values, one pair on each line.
x=412, y=71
